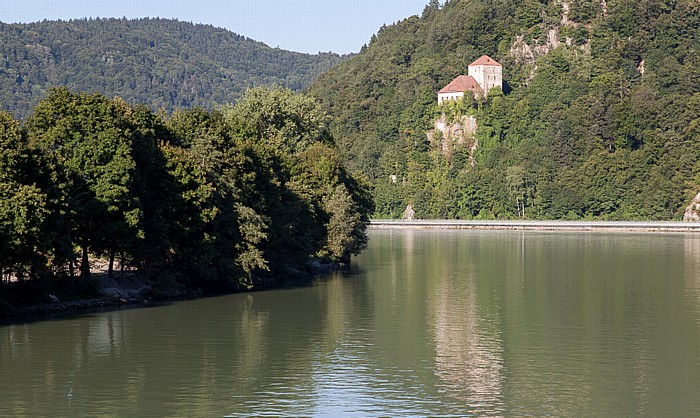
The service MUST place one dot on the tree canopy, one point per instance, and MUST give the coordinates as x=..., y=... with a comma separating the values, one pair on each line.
x=160, y=63
x=214, y=200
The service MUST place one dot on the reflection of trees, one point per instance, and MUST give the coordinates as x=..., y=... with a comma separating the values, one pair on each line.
x=194, y=358
x=250, y=358
x=599, y=320
x=474, y=322
x=468, y=360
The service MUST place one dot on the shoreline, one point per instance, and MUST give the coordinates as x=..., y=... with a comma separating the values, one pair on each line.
x=133, y=292
x=581, y=226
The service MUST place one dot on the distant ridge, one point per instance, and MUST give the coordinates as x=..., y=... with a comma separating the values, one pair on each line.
x=161, y=63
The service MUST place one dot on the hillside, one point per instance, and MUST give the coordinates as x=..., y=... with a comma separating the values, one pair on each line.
x=600, y=117
x=158, y=62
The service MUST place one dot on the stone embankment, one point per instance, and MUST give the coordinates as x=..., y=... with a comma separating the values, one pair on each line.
x=542, y=225
x=71, y=306
x=133, y=291
x=116, y=292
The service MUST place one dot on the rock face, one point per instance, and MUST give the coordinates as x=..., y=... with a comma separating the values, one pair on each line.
x=459, y=130
x=692, y=212
x=409, y=213
x=526, y=53
x=526, y=50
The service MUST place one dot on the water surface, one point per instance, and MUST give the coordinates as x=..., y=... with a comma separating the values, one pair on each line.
x=426, y=323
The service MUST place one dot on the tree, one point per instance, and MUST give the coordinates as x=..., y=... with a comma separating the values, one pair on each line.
x=431, y=7
x=323, y=182
x=23, y=206
x=90, y=145
x=284, y=120
x=205, y=200
x=517, y=186
x=200, y=66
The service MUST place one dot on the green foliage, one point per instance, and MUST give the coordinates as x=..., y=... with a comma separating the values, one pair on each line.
x=603, y=127
x=207, y=200
x=23, y=212
x=90, y=144
x=281, y=118
x=584, y=11
x=164, y=64
x=343, y=203
x=23, y=206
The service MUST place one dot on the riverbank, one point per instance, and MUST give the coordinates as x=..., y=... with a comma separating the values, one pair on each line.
x=612, y=226
x=100, y=293
x=134, y=291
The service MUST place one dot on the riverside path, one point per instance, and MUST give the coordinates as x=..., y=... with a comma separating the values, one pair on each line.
x=542, y=225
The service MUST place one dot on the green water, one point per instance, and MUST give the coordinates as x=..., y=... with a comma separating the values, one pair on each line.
x=426, y=323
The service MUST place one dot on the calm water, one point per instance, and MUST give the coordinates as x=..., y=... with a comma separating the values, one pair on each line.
x=427, y=323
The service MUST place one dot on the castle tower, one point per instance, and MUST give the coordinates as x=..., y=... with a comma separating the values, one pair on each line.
x=487, y=72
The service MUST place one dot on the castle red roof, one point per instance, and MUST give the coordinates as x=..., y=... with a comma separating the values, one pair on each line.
x=486, y=60
x=461, y=84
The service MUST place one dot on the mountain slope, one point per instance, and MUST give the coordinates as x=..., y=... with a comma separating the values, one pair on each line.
x=159, y=62
x=600, y=117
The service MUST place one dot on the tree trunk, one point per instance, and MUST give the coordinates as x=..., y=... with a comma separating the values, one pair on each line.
x=121, y=264
x=110, y=269
x=71, y=259
x=85, y=264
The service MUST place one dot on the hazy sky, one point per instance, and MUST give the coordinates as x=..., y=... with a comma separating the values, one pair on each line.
x=312, y=26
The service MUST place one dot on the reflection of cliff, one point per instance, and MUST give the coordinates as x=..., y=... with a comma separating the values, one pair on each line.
x=469, y=352
x=691, y=247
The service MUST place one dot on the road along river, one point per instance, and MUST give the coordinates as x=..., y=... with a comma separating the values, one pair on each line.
x=612, y=226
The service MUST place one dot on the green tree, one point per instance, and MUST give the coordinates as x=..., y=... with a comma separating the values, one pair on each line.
x=281, y=118
x=23, y=207
x=343, y=202
x=87, y=140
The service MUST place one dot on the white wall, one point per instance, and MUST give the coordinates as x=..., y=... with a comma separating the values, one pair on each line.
x=449, y=96
x=488, y=76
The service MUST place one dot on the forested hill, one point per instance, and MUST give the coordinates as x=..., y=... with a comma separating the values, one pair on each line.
x=600, y=117
x=158, y=62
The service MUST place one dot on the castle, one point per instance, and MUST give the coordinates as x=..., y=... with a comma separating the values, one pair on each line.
x=484, y=74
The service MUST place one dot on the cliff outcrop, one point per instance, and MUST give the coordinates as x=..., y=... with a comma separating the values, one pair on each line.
x=692, y=212
x=452, y=133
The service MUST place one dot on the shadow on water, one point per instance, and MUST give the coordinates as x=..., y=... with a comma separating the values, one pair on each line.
x=83, y=313
x=90, y=312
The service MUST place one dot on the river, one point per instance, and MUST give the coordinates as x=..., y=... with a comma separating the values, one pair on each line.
x=426, y=322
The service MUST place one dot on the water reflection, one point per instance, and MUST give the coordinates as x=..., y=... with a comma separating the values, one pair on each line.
x=468, y=358
x=427, y=323
x=691, y=251
x=249, y=358
x=105, y=336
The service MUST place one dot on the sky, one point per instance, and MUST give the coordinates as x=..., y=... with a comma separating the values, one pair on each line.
x=311, y=26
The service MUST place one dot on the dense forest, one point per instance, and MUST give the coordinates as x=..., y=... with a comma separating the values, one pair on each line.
x=599, y=116
x=214, y=200
x=160, y=63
